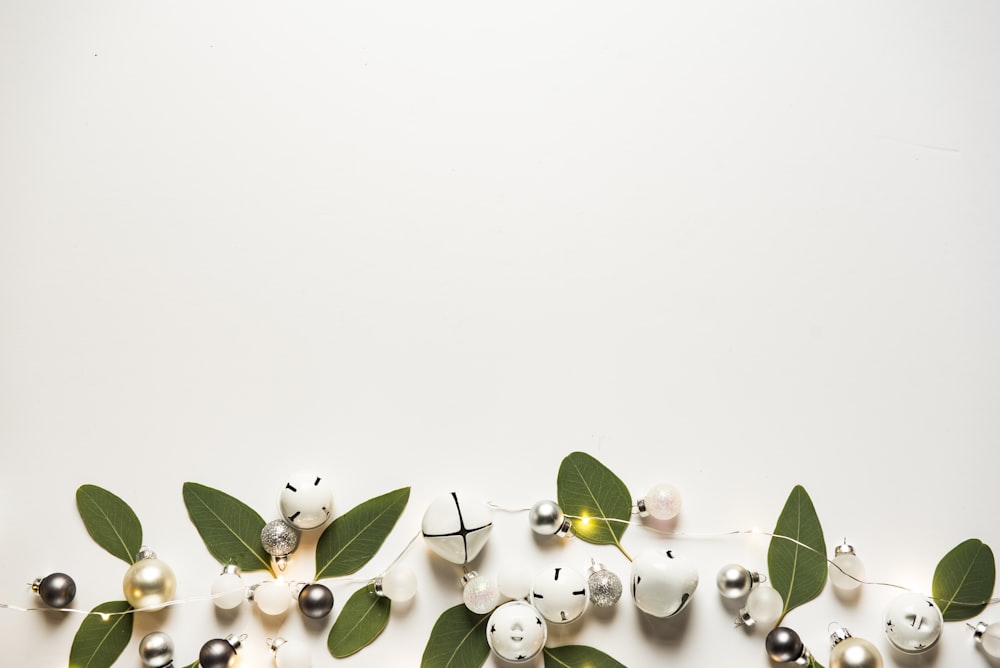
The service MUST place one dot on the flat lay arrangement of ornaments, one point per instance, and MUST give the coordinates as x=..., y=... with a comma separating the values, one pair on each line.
x=535, y=335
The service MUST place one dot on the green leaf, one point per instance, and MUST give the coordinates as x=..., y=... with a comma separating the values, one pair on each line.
x=230, y=528
x=458, y=640
x=964, y=579
x=574, y=656
x=362, y=619
x=797, y=567
x=813, y=663
x=352, y=539
x=99, y=642
x=110, y=522
x=589, y=490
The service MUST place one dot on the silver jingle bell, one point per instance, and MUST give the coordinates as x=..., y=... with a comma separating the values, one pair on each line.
x=546, y=518
x=156, y=650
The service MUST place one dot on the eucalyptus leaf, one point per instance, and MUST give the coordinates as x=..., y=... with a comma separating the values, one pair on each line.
x=573, y=656
x=99, y=642
x=362, y=619
x=458, y=640
x=230, y=528
x=352, y=539
x=796, y=558
x=110, y=522
x=587, y=489
x=964, y=579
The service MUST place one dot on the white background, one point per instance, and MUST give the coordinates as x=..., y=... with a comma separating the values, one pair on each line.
x=734, y=246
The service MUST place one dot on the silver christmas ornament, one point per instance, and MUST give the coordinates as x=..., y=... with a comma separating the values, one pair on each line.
x=784, y=645
x=546, y=518
x=735, y=581
x=156, y=650
x=279, y=539
x=851, y=652
x=605, y=587
x=315, y=601
x=218, y=653
x=56, y=590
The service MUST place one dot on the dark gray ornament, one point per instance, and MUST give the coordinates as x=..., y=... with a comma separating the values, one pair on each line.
x=315, y=601
x=56, y=590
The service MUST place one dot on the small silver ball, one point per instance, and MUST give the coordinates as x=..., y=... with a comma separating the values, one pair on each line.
x=156, y=649
x=546, y=518
x=783, y=645
x=605, y=587
x=734, y=581
x=315, y=601
x=279, y=538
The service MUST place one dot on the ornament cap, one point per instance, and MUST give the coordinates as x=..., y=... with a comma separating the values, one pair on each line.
x=275, y=644
x=145, y=552
x=843, y=549
x=744, y=619
x=839, y=635
x=236, y=641
x=231, y=568
x=376, y=587
x=595, y=567
x=468, y=577
x=978, y=630
x=36, y=585
x=640, y=505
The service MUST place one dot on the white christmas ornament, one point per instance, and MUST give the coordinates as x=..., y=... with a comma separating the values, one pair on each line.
x=228, y=590
x=561, y=595
x=515, y=632
x=988, y=637
x=306, y=500
x=514, y=581
x=913, y=623
x=662, y=502
x=456, y=528
x=764, y=607
x=290, y=654
x=848, y=570
x=398, y=584
x=481, y=593
x=272, y=597
x=662, y=582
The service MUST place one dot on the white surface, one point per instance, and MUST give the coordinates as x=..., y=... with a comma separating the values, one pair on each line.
x=731, y=246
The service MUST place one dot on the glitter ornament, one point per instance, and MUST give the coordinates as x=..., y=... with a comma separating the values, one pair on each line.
x=514, y=582
x=57, y=590
x=851, y=652
x=149, y=582
x=662, y=502
x=156, y=650
x=219, y=653
x=289, y=655
x=560, y=595
x=515, y=632
x=546, y=518
x=306, y=500
x=481, y=593
x=315, y=600
x=735, y=581
x=456, y=528
x=988, y=637
x=913, y=623
x=399, y=584
x=847, y=570
x=764, y=607
x=228, y=591
x=662, y=583
x=279, y=539
x=272, y=597
x=605, y=587
x=784, y=645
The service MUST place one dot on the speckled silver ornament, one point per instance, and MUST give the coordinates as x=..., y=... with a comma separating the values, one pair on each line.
x=605, y=587
x=279, y=538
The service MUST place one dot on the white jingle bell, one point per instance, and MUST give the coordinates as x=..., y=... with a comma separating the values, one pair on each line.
x=662, y=582
x=306, y=500
x=515, y=632
x=456, y=528
x=913, y=623
x=560, y=594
